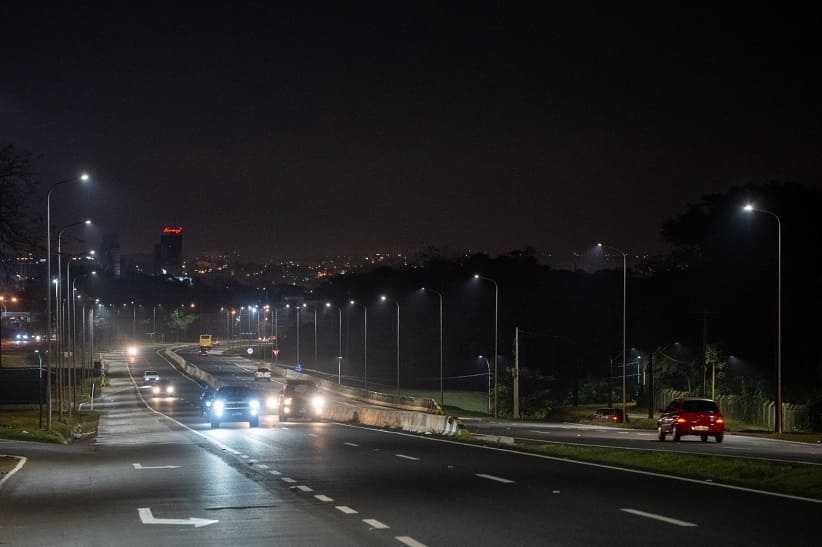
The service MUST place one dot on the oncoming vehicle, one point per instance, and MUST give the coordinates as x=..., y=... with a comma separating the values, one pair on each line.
x=262, y=373
x=300, y=399
x=150, y=376
x=235, y=404
x=205, y=343
x=162, y=388
x=691, y=416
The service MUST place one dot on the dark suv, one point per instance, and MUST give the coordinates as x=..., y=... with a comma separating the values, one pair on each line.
x=691, y=416
x=300, y=399
x=612, y=415
x=235, y=404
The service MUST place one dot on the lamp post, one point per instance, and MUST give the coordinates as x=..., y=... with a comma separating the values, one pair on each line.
x=386, y=299
x=488, y=364
x=624, y=338
x=365, y=342
x=496, y=341
x=82, y=177
x=442, y=392
x=339, y=347
x=778, y=417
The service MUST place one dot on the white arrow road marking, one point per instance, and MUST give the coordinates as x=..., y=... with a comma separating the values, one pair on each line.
x=148, y=518
x=669, y=520
x=374, y=523
x=493, y=478
x=139, y=466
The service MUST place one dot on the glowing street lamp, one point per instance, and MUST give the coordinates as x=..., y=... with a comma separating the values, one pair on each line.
x=778, y=417
x=496, y=341
x=386, y=299
x=624, y=342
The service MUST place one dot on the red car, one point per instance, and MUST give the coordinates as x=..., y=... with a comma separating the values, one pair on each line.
x=691, y=416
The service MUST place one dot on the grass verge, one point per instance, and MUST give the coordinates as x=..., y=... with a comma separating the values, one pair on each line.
x=800, y=480
x=23, y=423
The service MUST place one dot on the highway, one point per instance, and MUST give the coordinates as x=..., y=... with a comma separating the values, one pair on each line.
x=157, y=463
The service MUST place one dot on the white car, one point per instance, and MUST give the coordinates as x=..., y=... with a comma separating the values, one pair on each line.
x=262, y=373
x=150, y=376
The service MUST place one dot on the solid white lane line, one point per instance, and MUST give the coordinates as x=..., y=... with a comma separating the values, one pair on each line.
x=352, y=444
x=303, y=488
x=347, y=510
x=493, y=478
x=274, y=472
x=21, y=462
x=669, y=520
x=288, y=479
x=409, y=541
x=374, y=523
x=323, y=497
x=403, y=456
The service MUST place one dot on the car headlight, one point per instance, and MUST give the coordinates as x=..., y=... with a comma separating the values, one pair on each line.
x=271, y=402
x=219, y=404
x=132, y=351
x=170, y=389
x=254, y=403
x=208, y=403
x=287, y=401
x=155, y=389
x=318, y=402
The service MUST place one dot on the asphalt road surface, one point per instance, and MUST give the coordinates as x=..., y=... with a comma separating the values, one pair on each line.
x=156, y=464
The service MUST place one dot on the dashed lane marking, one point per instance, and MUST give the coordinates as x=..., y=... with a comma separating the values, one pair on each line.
x=352, y=444
x=303, y=488
x=347, y=510
x=403, y=456
x=494, y=478
x=669, y=520
x=374, y=523
x=409, y=541
x=288, y=480
x=323, y=497
x=274, y=472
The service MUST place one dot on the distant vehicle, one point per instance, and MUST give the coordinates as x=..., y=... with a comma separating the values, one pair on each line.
x=205, y=342
x=262, y=373
x=162, y=388
x=612, y=415
x=131, y=351
x=235, y=404
x=691, y=416
x=300, y=399
x=150, y=376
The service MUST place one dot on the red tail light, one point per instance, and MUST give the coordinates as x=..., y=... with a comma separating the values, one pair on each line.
x=614, y=418
x=720, y=420
x=680, y=420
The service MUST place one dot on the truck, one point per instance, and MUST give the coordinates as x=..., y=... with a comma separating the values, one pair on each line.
x=205, y=343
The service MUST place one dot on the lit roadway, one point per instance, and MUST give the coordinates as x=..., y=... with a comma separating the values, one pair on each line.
x=157, y=474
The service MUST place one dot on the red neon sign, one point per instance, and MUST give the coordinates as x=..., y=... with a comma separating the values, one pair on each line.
x=170, y=230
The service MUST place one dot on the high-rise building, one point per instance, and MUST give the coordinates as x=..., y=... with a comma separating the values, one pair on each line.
x=168, y=254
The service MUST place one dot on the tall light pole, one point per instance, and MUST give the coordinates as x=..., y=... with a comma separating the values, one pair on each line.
x=386, y=299
x=488, y=364
x=365, y=342
x=778, y=417
x=83, y=177
x=339, y=348
x=624, y=340
x=496, y=341
x=442, y=392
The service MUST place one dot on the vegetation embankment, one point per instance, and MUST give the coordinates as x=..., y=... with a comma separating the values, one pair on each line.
x=24, y=422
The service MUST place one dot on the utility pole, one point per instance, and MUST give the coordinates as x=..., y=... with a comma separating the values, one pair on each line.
x=516, y=373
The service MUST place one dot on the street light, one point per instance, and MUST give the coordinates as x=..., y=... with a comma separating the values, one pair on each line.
x=778, y=417
x=386, y=299
x=339, y=349
x=496, y=341
x=83, y=177
x=488, y=364
x=624, y=338
x=365, y=342
x=442, y=393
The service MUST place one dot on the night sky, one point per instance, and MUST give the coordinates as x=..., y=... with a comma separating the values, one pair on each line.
x=302, y=129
